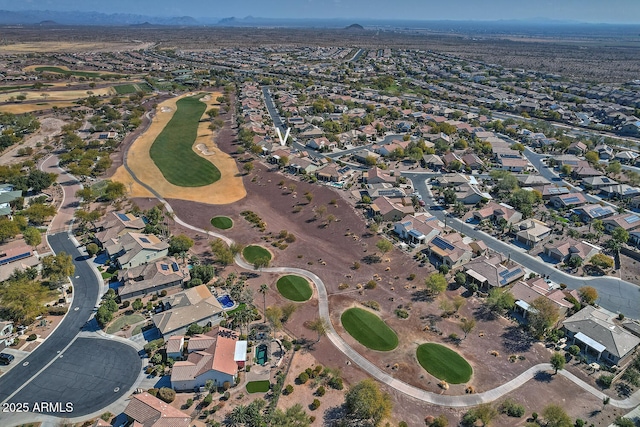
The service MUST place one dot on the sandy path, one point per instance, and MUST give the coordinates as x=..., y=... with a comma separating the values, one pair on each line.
x=228, y=189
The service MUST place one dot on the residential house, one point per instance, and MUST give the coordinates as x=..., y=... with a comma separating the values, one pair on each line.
x=450, y=250
x=513, y=165
x=563, y=201
x=389, y=210
x=585, y=171
x=590, y=212
x=151, y=278
x=417, y=229
x=375, y=175
x=453, y=179
x=193, y=305
x=470, y=194
x=175, y=347
x=549, y=191
x=604, y=151
x=525, y=292
x=134, y=249
x=595, y=182
x=321, y=144
x=473, y=161
x=7, y=196
x=531, y=232
x=362, y=156
x=532, y=180
x=596, y=332
x=6, y=333
x=387, y=149
x=451, y=157
x=215, y=363
x=493, y=271
x=495, y=211
x=626, y=221
x=148, y=411
x=569, y=248
x=332, y=172
x=577, y=148
x=634, y=238
x=626, y=157
x=620, y=191
x=432, y=161
x=16, y=255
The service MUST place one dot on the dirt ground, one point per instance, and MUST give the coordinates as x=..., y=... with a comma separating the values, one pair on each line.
x=57, y=95
x=228, y=189
x=630, y=269
x=60, y=46
x=32, y=107
x=49, y=128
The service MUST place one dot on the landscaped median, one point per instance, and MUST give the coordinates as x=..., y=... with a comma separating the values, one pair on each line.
x=369, y=330
x=444, y=363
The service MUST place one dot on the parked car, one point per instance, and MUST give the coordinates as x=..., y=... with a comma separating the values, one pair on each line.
x=6, y=358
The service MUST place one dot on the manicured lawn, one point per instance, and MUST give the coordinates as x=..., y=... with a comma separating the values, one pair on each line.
x=369, y=330
x=295, y=288
x=125, y=89
x=444, y=363
x=222, y=222
x=76, y=73
x=172, y=152
x=121, y=321
x=106, y=275
x=258, y=386
x=252, y=252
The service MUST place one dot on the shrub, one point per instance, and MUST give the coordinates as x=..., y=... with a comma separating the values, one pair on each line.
x=403, y=314
x=443, y=269
x=371, y=284
x=574, y=350
x=303, y=378
x=320, y=391
x=153, y=392
x=372, y=304
x=512, y=408
x=288, y=389
x=189, y=403
x=315, y=404
x=32, y=337
x=226, y=385
x=106, y=416
x=412, y=276
x=226, y=395
x=126, y=304
x=207, y=400
x=605, y=380
x=163, y=293
x=287, y=344
x=336, y=383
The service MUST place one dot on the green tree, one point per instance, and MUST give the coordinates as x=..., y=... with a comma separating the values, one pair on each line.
x=137, y=304
x=435, y=283
x=624, y=422
x=294, y=416
x=592, y=157
x=8, y=229
x=460, y=278
x=555, y=416
x=32, y=236
x=39, y=212
x=273, y=315
x=544, y=315
x=38, y=180
x=114, y=190
x=588, y=294
x=467, y=325
x=103, y=316
x=449, y=196
x=557, y=361
x=287, y=311
x=620, y=234
x=57, y=267
x=248, y=167
x=319, y=326
x=261, y=262
x=180, y=243
x=499, y=300
x=566, y=170
x=601, y=261
x=366, y=404
x=614, y=167
x=263, y=290
x=384, y=245
x=203, y=272
x=92, y=249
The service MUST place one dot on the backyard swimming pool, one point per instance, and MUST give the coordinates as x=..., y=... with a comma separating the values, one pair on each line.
x=261, y=354
x=225, y=301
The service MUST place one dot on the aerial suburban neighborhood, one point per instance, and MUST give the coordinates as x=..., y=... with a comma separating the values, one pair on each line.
x=343, y=226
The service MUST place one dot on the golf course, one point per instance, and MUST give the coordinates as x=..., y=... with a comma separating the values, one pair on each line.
x=369, y=330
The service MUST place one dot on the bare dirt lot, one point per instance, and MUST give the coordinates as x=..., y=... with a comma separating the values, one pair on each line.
x=69, y=46
x=49, y=128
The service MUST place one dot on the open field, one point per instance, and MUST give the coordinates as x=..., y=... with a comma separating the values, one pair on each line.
x=253, y=252
x=78, y=73
x=295, y=288
x=39, y=106
x=369, y=330
x=222, y=222
x=228, y=189
x=172, y=150
x=40, y=45
x=57, y=95
x=444, y=363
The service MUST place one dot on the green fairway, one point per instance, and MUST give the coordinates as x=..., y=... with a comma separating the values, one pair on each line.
x=222, y=222
x=121, y=321
x=172, y=152
x=258, y=386
x=443, y=363
x=78, y=73
x=369, y=330
x=253, y=252
x=295, y=288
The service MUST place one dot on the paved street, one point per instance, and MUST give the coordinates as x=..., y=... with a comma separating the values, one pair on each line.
x=615, y=295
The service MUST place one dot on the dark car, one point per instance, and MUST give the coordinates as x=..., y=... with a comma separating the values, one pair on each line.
x=6, y=358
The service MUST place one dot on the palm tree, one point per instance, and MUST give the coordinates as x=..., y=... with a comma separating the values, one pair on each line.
x=263, y=290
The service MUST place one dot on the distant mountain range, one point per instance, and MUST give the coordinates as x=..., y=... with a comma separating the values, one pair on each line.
x=50, y=18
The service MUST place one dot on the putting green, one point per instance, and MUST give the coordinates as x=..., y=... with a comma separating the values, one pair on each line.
x=369, y=330
x=253, y=252
x=444, y=363
x=172, y=150
x=258, y=386
x=222, y=222
x=295, y=288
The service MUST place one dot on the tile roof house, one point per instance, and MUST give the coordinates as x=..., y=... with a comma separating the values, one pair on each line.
x=513, y=165
x=532, y=180
x=493, y=271
x=193, y=305
x=175, y=346
x=7, y=195
x=578, y=148
x=389, y=210
x=549, y=191
x=450, y=250
x=567, y=200
x=570, y=248
x=417, y=229
x=375, y=175
x=149, y=411
x=627, y=221
x=526, y=292
x=495, y=211
x=596, y=331
x=432, y=161
x=598, y=182
x=472, y=161
x=151, y=278
x=216, y=362
x=590, y=212
x=621, y=191
x=133, y=249
x=16, y=255
x=470, y=194
x=585, y=171
x=531, y=231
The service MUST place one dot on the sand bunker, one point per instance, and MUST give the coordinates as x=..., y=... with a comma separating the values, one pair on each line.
x=228, y=189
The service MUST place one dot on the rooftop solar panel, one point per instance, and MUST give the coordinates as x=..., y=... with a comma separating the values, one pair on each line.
x=164, y=267
x=632, y=219
x=573, y=199
x=174, y=266
x=442, y=244
x=144, y=240
x=15, y=258
x=123, y=217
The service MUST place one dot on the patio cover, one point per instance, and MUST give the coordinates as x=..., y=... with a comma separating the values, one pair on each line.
x=590, y=342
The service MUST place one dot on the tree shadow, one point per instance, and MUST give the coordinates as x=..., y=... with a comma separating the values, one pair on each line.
x=422, y=295
x=516, y=340
x=483, y=313
x=333, y=415
x=543, y=377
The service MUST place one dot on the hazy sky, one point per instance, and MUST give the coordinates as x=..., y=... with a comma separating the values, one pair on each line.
x=618, y=11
